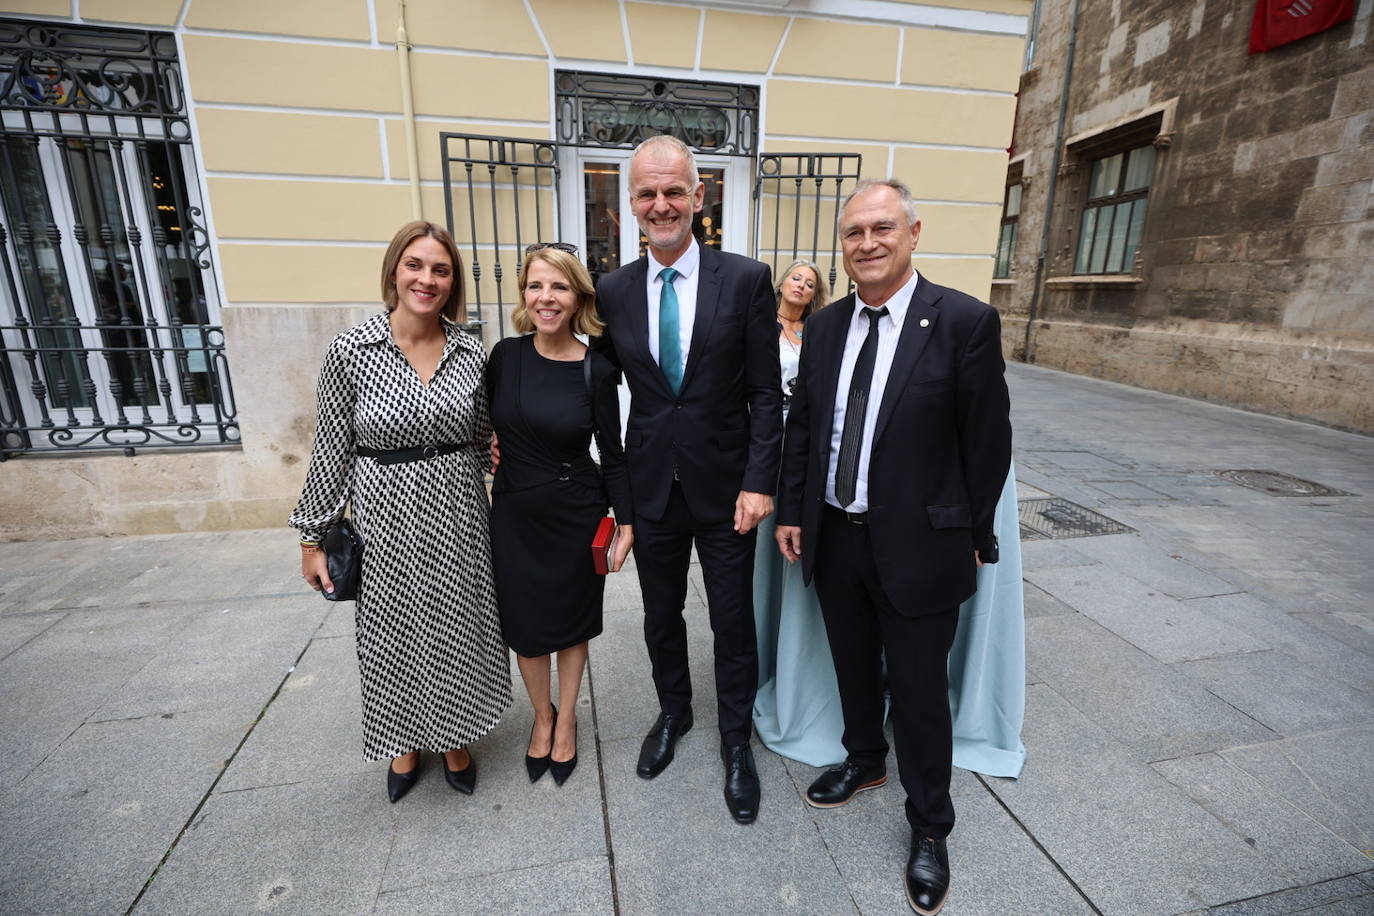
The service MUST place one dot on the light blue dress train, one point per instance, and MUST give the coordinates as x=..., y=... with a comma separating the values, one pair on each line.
x=797, y=711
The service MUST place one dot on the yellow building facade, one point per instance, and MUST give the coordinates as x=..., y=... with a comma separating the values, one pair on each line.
x=303, y=134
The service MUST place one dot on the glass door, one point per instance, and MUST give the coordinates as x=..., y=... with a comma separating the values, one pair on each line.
x=598, y=218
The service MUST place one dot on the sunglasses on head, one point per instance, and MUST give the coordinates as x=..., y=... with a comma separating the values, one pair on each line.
x=560, y=246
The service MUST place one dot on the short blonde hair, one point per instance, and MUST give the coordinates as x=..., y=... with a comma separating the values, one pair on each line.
x=586, y=321
x=455, y=309
x=822, y=287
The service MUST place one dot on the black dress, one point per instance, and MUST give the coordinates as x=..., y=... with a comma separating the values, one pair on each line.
x=548, y=495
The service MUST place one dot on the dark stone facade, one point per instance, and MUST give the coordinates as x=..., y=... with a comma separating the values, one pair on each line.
x=1254, y=280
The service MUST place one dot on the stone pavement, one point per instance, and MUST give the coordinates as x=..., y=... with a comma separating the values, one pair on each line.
x=181, y=722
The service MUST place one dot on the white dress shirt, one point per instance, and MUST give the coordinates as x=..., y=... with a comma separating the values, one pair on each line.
x=685, y=285
x=889, y=330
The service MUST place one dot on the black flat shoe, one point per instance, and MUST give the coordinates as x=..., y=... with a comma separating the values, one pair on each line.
x=838, y=785
x=657, y=750
x=741, y=783
x=464, y=780
x=537, y=766
x=927, y=875
x=398, y=784
x=562, y=769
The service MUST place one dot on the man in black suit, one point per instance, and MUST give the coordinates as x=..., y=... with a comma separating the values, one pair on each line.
x=694, y=331
x=898, y=444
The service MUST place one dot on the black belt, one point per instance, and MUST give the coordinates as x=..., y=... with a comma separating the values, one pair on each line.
x=854, y=518
x=402, y=455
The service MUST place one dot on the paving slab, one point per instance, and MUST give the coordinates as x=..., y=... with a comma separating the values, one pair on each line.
x=1142, y=559
x=442, y=835
x=90, y=826
x=1131, y=840
x=1146, y=705
x=1037, y=555
x=678, y=851
x=1356, y=630
x=311, y=848
x=579, y=887
x=1295, y=634
x=1296, y=846
x=1348, y=896
x=231, y=656
x=1274, y=688
x=1128, y=490
x=313, y=728
x=1040, y=603
x=56, y=681
x=1154, y=622
x=1327, y=776
x=994, y=865
x=17, y=629
x=627, y=703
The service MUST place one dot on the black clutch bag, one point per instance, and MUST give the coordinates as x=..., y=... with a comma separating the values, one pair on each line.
x=343, y=551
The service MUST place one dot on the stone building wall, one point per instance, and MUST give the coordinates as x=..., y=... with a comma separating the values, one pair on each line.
x=297, y=115
x=1254, y=285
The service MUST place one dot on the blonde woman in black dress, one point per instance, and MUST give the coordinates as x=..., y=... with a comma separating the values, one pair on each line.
x=549, y=397
x=402, y=437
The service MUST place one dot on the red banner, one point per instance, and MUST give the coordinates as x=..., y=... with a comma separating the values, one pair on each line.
x=1278, y=22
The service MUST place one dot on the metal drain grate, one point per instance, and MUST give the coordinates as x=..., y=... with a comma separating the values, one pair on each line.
x=1278, y=484
x=1058, y=518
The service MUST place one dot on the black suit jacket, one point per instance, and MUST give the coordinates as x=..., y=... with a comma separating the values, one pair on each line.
x=941, y=448
x=723, y=431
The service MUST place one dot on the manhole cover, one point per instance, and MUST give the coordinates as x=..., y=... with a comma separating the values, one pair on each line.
x=1277, y=484
x=1059, y=518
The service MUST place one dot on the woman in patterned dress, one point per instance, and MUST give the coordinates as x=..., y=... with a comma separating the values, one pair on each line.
x=402, y=437
x=549, y=397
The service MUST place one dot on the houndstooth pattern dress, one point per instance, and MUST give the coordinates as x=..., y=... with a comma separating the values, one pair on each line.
x=435, y=670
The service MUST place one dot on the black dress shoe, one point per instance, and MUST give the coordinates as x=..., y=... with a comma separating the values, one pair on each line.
x=464, y=780
x=536, y=766
x=562, y=769
x=927, y=875
x=657, y=750
x=398, y=784
x=741, y=783
x=838, y=785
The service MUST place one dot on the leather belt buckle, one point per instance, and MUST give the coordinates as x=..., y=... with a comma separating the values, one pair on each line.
x=429, y=451
x=854, y=518
x=675, y=477
x=564, y=471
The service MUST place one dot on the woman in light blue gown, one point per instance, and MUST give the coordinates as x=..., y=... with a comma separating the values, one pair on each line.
x=797, y=711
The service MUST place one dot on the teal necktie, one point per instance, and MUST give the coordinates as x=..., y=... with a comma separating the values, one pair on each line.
x=669, y=343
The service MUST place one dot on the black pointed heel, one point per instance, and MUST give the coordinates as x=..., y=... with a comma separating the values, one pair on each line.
x=562, y=769
x=398, y=784
x=538, y=766
x=464, y=780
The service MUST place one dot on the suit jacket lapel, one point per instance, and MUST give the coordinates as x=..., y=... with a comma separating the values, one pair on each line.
x=708, y=299
x=638, y=314
x=915, y=336
x=828, y=369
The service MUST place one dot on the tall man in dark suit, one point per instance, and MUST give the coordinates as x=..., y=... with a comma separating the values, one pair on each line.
x=694, y=331
x=898, y=444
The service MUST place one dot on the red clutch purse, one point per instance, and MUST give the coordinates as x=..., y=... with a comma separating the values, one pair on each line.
x=602, y=542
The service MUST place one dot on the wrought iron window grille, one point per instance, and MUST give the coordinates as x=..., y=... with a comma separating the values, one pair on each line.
x=108, y=339
x=812, y=186
x=616, y=111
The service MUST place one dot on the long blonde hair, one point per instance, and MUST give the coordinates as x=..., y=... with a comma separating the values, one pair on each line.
x=586, y=321
x=822, y=293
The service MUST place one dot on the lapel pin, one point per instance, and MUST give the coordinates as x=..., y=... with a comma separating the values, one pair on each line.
x=925, y=322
